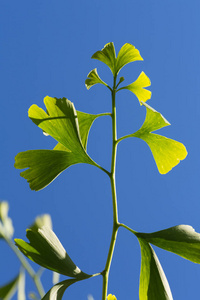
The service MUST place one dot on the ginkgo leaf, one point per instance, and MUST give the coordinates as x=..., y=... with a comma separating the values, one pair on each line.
x=45, y=165
x=57, y=291
x=70, y=129
x=153, y=282
x=93, y=78
x=85, y=121
x=166, y=152
x=181, y=240
x=60, y=121
x=46, y=250
x=107, y=56
x=137, y=87
x=128, y=53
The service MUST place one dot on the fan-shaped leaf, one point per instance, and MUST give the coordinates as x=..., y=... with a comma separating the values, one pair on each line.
x=70, y=129
x=128, y=53
x=153, y=282
x=181, y=240
x=166, y=152
x=107, y=56
x=46, y=250
x=137, y=87
x=92, y=79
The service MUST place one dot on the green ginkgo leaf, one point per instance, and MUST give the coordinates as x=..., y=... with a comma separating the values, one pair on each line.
x=57, y=291
x=128, y=53
x=181, y=240
x=92, y=79
x=137, y=87
x=70, y=129
x=166, y=152
x=107, y=56
x=153, y=282
x=46, y=250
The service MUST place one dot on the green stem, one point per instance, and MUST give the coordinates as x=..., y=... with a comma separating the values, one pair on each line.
x=106, y=271
x=128, y=228
x=27, y=266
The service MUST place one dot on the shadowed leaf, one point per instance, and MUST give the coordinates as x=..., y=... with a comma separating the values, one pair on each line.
x=46, y=250
x=181, y=240
x=153, y=282
x=57, y=291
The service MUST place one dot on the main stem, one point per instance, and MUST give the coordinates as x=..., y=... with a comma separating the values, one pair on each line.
x=114, y=195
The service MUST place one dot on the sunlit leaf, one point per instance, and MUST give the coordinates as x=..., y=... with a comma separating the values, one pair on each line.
x=70, y=129
x=166, y=152
x=8, y=290
x=46, y=250
x=57, y=291
x=128, y=53
x=60, y=122
x=181, y=240
x=153, y=282
x=45, y=165
x=6, y=227
x=93, y=78
x=107, y=56
x=137, y=87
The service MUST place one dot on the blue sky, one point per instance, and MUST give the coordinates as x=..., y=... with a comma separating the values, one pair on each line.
x=46, y=49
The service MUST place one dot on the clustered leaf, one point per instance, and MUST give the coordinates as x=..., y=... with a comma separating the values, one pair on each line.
x=69, y=128
x=128, y=53
x=46, y=250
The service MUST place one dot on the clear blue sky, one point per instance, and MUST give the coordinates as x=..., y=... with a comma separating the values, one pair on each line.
x=45, y=49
